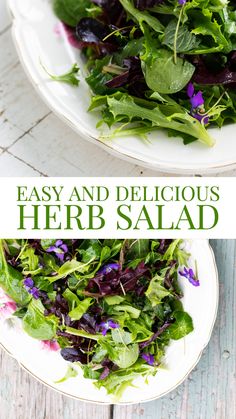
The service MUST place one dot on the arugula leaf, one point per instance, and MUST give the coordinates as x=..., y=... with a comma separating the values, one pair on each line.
x=93, y=252
x=133, y=311
x=156, y=292
x=71, y=298
x=137, y=249
x=181, y=122
x=70, y=77
x=81, y=309
x=207, y=26
x=71, y=11
x=46, y=243
x=36, y=324
x=71, y=373
x=83, y=334
x=29, y=261
x=138, y=329
x=97, y=78
x=68, y=268
x=142, y=17
x=114, y=300
x=11, y=280
x=118, y=381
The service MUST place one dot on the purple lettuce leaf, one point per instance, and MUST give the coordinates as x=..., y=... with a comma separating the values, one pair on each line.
x=113, y=12
x=165, y=326
x=91, y=33
x=116, y=282
x=205, y=74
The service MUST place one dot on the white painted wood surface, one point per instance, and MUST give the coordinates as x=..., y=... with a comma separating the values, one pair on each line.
x=33, y=141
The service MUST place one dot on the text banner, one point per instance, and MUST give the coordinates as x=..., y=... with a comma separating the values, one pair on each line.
x=117, y=208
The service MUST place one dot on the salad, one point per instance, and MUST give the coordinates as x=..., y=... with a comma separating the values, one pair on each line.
x=110, y=306
x=152, y=64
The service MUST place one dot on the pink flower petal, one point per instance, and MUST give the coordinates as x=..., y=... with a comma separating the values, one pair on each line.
x=50, y=345
x=60, y=29
x=7, y=309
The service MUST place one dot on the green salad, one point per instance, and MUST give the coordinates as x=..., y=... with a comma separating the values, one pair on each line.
x=152, y=64
x=110, y=306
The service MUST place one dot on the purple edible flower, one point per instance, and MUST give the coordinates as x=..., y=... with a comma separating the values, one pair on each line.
x=29, y=286
x=28, y=283
x=189, y=274
x=109, y=324
x=197, y=100
x=104, y=374
x=34, y=292
x=109, y=268
x=149, y=359
x=197, y=104
x=60, y=249
x=182, y=2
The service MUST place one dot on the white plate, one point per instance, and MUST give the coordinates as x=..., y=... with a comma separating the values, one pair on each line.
x=181, y=356
x=34, y=35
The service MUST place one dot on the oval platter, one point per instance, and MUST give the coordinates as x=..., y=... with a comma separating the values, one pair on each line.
x=181, y=356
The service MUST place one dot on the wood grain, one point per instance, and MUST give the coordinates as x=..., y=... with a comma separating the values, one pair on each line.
x=208, y=393
x=23, y=397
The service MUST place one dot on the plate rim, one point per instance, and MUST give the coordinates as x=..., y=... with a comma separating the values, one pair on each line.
x=159, y=167
x=63, y=393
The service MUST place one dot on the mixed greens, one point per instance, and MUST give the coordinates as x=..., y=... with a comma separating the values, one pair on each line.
x=112, y=306
x=156, y=63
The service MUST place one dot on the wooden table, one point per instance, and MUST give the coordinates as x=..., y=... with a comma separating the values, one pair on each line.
x=208, y=393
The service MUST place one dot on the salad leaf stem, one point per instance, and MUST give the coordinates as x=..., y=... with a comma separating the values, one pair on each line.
x=176, y=33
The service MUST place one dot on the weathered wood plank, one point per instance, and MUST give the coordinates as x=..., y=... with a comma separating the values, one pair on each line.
x=26, y=121
x=22, y=397
x=209, y=392
x=10, y=166
x=54, y=149
x=20, y=108
x=8, y=54
x=5, y=20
